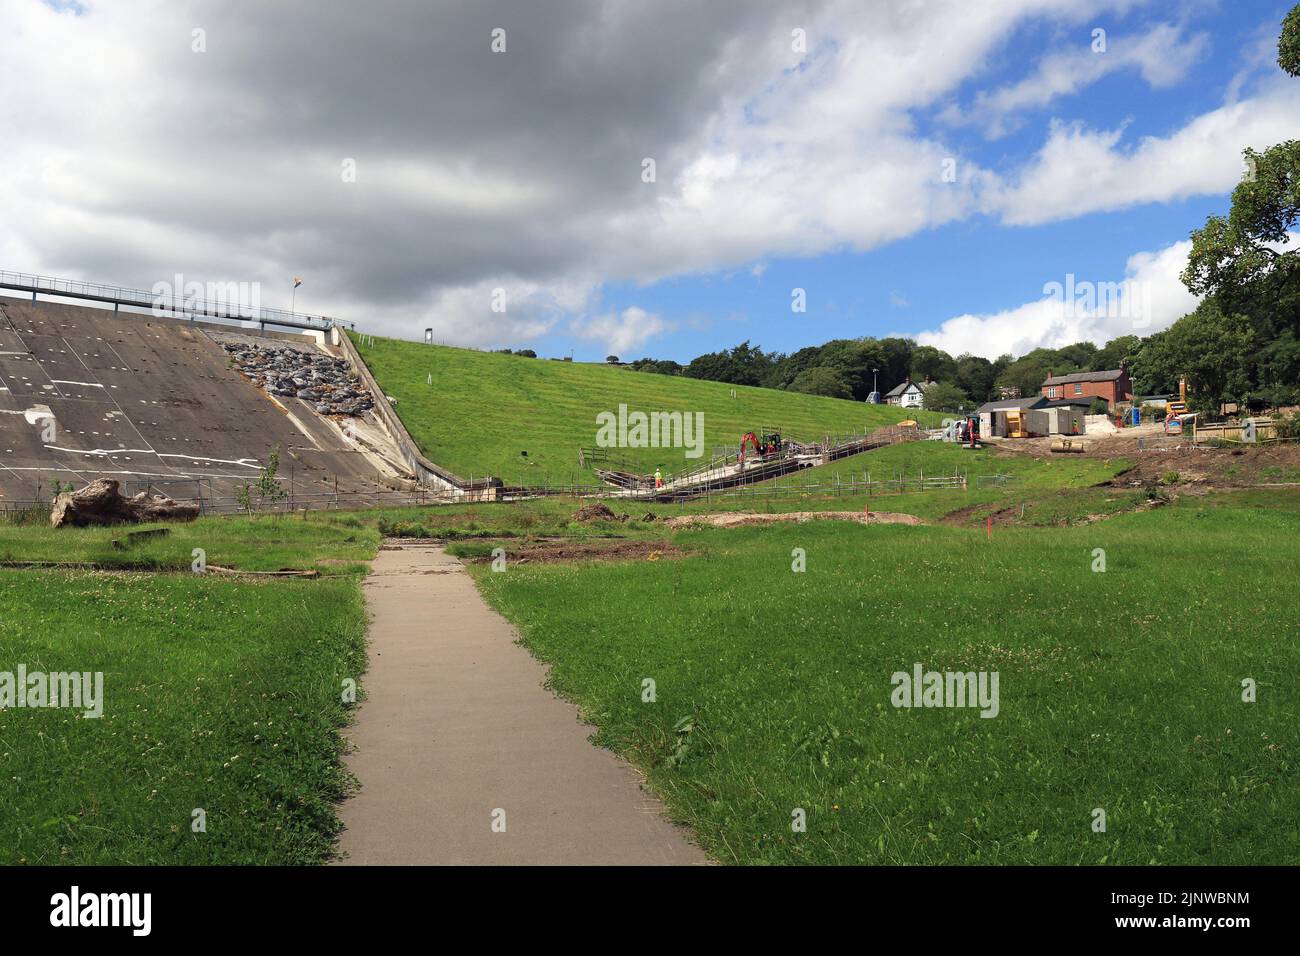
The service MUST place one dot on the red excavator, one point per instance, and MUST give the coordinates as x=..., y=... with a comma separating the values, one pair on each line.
x=767, y=446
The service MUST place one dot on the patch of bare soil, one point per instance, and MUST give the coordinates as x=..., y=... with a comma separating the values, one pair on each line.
x=1241, y=467
x=733, y=519
x=1014, y=514
x=597, y=512
x=553, y=552
x=1146, y=504
x=963, y=516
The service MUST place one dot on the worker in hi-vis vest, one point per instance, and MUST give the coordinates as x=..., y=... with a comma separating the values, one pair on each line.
x=659, y=478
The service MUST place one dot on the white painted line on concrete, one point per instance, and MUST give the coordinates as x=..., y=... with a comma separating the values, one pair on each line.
x=101, y=452
x=242, y=462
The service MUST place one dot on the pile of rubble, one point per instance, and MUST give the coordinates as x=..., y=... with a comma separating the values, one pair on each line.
x=326, y=382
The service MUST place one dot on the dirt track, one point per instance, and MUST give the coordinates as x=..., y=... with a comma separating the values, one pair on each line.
x=735, y=519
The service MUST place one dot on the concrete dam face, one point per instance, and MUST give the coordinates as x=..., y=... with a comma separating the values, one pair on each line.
x=159, y=403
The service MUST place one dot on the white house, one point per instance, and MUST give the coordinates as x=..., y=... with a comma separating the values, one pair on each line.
x=907, y=394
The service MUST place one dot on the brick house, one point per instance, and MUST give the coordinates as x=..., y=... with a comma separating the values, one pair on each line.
x=1113, y=385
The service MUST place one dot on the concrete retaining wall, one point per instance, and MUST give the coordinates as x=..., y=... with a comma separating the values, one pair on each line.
x=435, y=476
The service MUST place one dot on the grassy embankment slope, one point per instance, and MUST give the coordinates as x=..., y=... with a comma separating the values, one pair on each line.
x=484, y=409
x=220, y=694
x=1119, y=690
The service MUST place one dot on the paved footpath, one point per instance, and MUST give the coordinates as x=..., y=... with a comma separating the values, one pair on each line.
x=457, y=726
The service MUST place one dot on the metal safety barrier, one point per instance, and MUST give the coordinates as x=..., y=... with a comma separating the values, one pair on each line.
x=169, y=302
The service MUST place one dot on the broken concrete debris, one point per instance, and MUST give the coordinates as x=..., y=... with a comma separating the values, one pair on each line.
x=326, y=382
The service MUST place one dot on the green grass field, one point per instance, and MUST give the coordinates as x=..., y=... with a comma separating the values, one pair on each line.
x=1119, y=691
x=483, y=410
x=1033, y=481
x=220, y=694
x=331, y=544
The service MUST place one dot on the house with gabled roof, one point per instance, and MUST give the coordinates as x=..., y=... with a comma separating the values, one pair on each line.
x=1113, y=385
x=907, y=393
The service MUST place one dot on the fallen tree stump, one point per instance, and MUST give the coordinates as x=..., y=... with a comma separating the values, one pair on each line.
x=282, y=573
x=100, y=503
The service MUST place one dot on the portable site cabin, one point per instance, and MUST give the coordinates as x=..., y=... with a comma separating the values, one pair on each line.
x=1067, y=418
x=1005, y=418
x=1033, y=417
x=1021, y=422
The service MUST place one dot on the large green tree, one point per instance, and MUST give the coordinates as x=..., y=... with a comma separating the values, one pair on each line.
x=943, y=397
x=1212, y=348
x=743, y=365
x=1288, y=46
x=975, y=376
x=1118, y=351
x=1240, y=257
x=1242, y=264
x=822, y=381
x=1028, y=372
x=932, y=363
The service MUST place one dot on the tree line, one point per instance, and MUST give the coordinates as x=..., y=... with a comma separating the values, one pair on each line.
x=849, y=368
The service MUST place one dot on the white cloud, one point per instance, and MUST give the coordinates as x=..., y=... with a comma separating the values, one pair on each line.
x=489, y=314
x=623, y=333
x=1147, y=298
x=1080, y=171
x=129, y=157
x=1162, y=55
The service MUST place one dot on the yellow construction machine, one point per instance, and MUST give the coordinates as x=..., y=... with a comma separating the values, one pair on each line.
x=1175, y=411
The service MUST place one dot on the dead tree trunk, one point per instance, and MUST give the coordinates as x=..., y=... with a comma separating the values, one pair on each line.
x=101, y=503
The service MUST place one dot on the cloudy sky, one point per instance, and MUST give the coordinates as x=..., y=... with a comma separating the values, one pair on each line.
x=918, y=167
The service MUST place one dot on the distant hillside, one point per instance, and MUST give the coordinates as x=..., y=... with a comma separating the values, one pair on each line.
x=484, y=410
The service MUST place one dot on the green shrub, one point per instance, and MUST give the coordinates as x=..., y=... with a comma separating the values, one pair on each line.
x=403, y=529
x=1287, y=426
